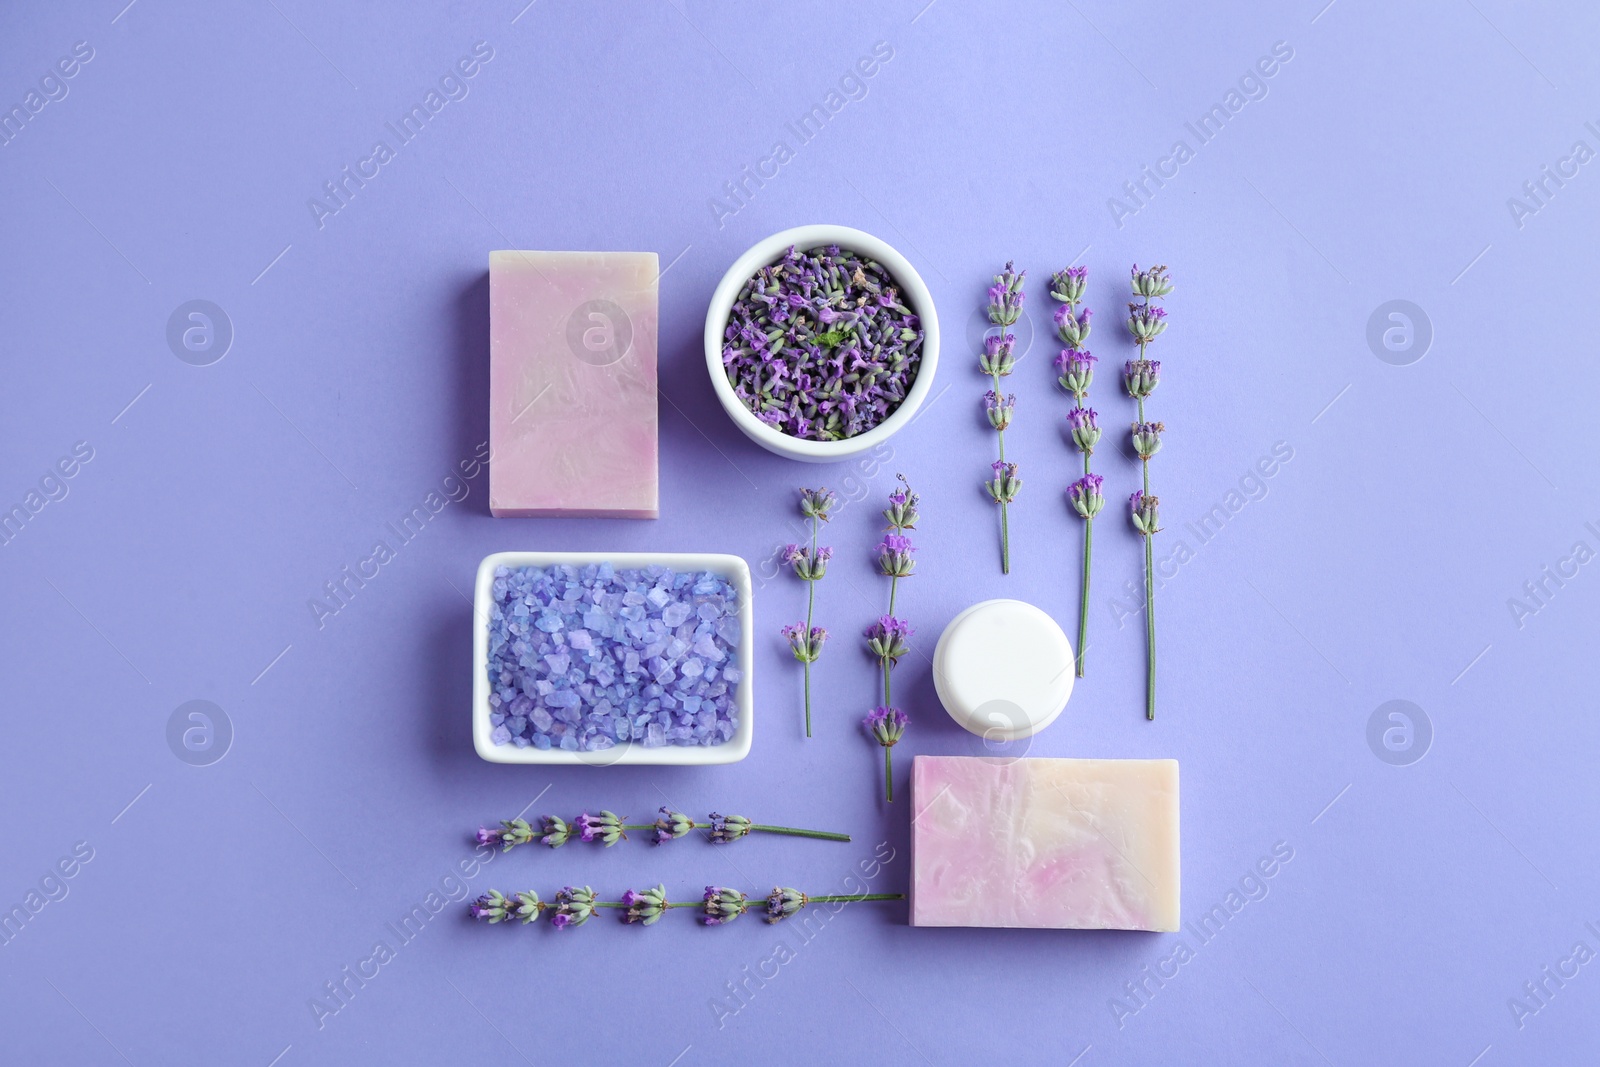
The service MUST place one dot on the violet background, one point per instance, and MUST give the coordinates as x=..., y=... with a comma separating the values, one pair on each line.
x=1377, y=567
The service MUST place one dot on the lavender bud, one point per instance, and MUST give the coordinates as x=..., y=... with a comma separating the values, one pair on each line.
x=1085, y=496
x=902, y=509
x=1006, y=297
x=886, y=638
x=1072, y=329
x=727, y=828
x=492, y=907
x=996, y=357
x=1085, y=429
x=528, y=907
x=894, y=556
x=805, y=644
x=1004, y=485
x=886, y=725
x=1068, y=285
x=1145, y=516
x=573, y=907
x=1146, y=322
x=782, y=903
x=672, y=825
x=1151, y=284
x=646, y=907
x=1141, y=376
x=1076, y=370
x=1147, y=438
x=817, y=503
x=998, y=408
x=605, y=828
x=723, y=905
x=556, y=832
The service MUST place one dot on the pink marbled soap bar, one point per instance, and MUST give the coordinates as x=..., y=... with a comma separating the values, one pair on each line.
x=1081, y=844
x=572, y=384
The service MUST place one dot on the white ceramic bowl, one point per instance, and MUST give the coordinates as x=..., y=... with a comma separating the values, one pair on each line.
x=736, y=748
x=766, y=252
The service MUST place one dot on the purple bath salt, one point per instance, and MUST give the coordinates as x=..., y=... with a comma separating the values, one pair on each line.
x=585, y=658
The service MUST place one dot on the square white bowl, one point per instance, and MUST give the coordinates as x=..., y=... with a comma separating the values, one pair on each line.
x=732, y=568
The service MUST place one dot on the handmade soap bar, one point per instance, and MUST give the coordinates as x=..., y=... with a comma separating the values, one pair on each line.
x=1082, y=844
x=572, y=383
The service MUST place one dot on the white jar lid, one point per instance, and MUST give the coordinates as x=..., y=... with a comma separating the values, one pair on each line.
x=1003, y=669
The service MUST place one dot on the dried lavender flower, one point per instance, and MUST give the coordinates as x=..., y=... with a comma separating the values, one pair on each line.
x=818, y=503
x=491, y=907
x=820, y=345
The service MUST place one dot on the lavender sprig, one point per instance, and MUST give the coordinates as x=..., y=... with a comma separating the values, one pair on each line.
x=1075, y=369
x=608, y=828
x=1146, y=322
x=887, y=638
x=810, y=564
x=996, y=360
x=574, y=906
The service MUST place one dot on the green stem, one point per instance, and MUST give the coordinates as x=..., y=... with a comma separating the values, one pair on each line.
x=888, y=774
x=1083, y=606
x=851, y=897
x=792, y=832
x=1149, y=586
x=1150, y=630
x=894, y=587
x=811, y=603
x=1005, y=524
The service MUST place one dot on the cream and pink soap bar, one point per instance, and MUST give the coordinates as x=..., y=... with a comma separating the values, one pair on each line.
x=1079, y=844
x=572, y=384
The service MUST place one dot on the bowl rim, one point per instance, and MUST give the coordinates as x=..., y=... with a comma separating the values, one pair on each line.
x=732, y=567
x=766, y=251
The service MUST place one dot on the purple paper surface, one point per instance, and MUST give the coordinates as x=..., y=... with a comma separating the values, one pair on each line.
x=259, y=345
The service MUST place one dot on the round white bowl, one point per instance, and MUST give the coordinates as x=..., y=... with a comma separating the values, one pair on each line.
x=912, y=290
